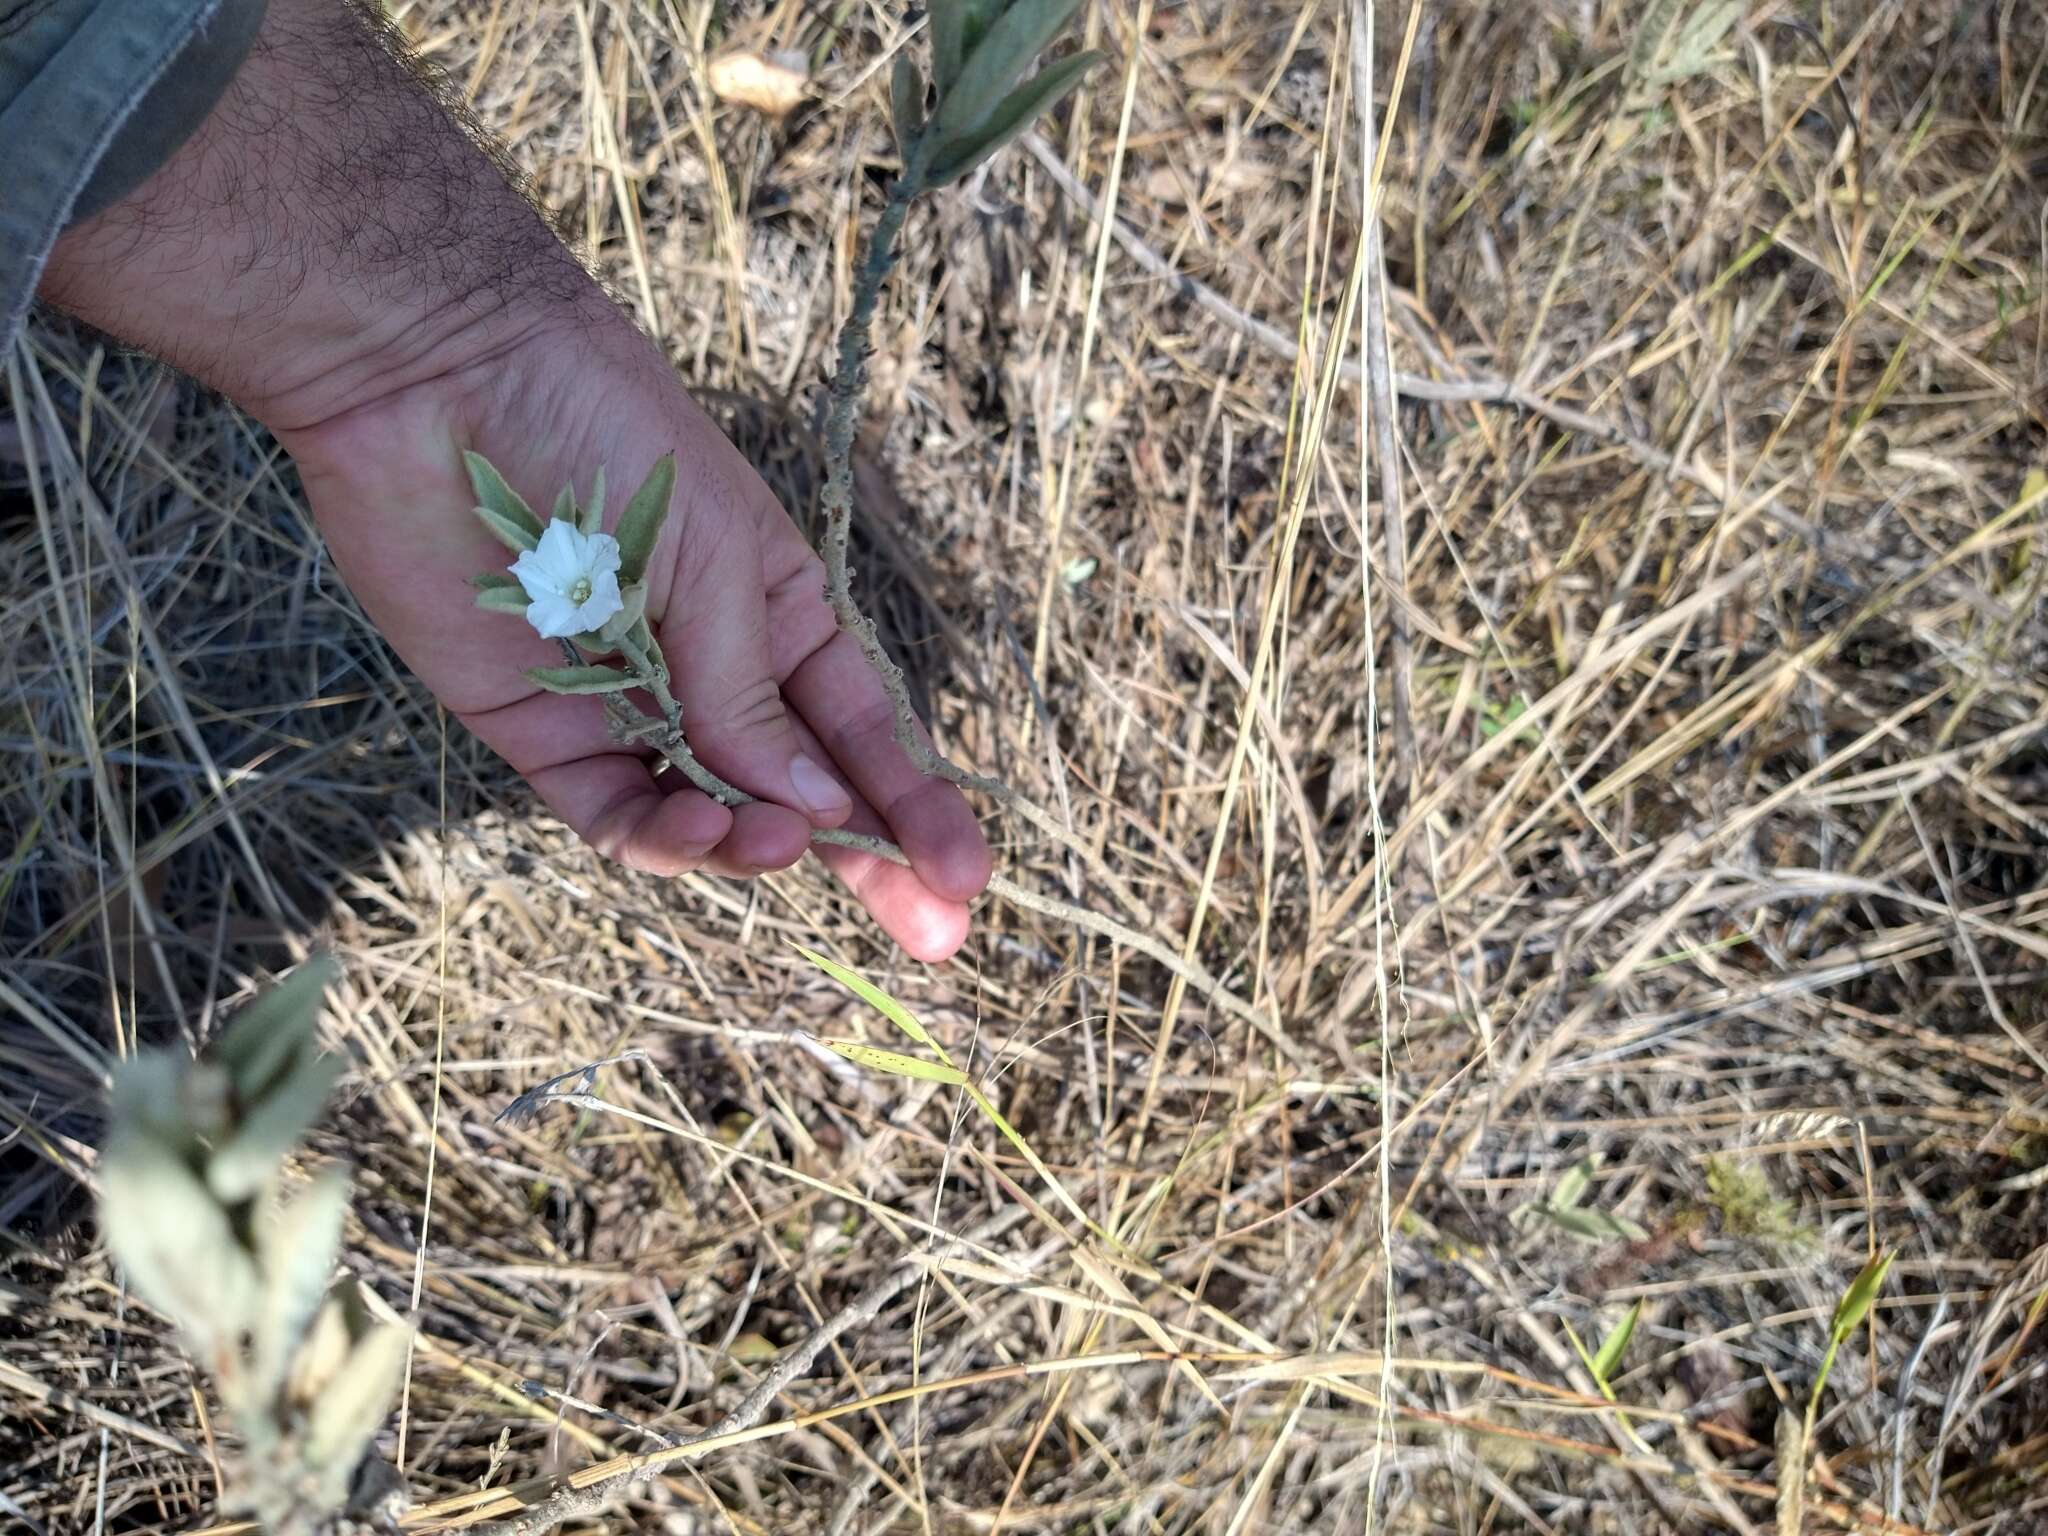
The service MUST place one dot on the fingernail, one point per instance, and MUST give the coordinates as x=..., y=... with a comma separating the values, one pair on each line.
x=818, y=790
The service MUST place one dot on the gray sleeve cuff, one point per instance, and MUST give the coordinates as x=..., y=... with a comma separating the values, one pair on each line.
x=94, y=96
x=171, y=110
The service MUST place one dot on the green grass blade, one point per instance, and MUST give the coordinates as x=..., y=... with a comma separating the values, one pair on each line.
x=875, y=998
x=1615, y=1345
x=895, y=1063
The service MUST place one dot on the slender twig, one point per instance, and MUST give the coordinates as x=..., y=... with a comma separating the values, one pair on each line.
x=849, y=382
x=842, y=417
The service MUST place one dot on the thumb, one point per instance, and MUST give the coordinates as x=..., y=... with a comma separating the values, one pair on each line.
x=715, y=636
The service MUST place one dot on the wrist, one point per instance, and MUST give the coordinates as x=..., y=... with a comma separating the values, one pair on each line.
x=329, y=236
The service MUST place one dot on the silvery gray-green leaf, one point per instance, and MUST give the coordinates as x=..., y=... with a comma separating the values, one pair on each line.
x=493, y=495
x=564, y=508
x=906, y=102
x=591, y=519
x=997, y=63
x=176, y=1246
x=511, y=599
x=506, y=531
x=150, y=1098
x=640, y=524
x=1019, y=111
x=272, y=1128
x=580, y=679
x=298, y=1244
x=271, y=1027
x=352, y=1408
x=495, y=581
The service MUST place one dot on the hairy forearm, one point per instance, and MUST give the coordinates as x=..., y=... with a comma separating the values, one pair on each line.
x=331, y=235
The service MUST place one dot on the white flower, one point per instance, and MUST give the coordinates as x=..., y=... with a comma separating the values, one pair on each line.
x=572, y=580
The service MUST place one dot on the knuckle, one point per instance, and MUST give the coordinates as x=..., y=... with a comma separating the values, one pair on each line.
x=863, y=724
x=750, y=710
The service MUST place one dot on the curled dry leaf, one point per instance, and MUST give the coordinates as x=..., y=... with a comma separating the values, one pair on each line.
x=771, y=83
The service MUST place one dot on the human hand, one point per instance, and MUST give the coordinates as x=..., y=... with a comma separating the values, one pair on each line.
x=776, y=699
x=331, y=250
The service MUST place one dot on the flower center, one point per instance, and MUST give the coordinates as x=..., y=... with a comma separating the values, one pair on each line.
x=579, y=590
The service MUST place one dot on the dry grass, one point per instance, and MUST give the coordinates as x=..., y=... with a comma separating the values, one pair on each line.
x=1712, y=846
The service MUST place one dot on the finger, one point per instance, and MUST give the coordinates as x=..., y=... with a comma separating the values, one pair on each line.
x=842, y=701
x=717, y=641
x=612, y=802
x=929, y=926
x=763, y=836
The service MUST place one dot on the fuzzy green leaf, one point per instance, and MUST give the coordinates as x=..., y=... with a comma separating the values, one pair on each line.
x=494, y=495
x=873, y=996
x=906, y=100
x=268, y=1033
x=272, y=1128
x=994, y=66
x=1615, y=1345
x=153, y=1096
x=348, y=1414
x=1856, y=1301
x=580, y=679
x=949, y=42
x=895, y=1063
x=640, y=524
x=495, y=581
x=177, y=1247
x=323, y=1348
x=565, y=506
x=512, y=599
x=591, y=518
x=1572, y=1185
x=298, y=1245
x=1025, y=106
x=507, y=531
x=1595, y=1226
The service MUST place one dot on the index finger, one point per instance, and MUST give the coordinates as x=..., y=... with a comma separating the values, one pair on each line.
x=844, y=704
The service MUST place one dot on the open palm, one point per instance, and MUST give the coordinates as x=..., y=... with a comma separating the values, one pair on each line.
x=775, y=699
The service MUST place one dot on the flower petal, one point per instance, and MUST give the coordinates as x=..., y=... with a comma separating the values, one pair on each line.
x=604, y=602
x=532, y=573
x=561, y=550
x=554, y=617
x=601, y=554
